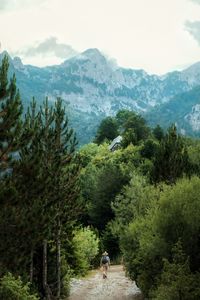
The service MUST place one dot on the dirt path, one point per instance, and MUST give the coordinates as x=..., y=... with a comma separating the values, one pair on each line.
x=116, y=286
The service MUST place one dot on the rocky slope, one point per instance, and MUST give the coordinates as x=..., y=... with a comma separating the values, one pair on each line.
x=182, y=110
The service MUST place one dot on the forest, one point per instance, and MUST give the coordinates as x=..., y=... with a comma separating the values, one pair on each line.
x=61, y=205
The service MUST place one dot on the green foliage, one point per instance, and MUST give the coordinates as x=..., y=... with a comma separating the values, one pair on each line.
x=12, y=288
x=10, y=113
x=171, y=160
x=136, y=198
x=43, y=191
x=104, y=177
x=86, y=246
x=149, y=149
x=194, y=156
x=172, y=215
x=107, y=130
x=177, y=281
x=133, y=126
x=109, y=182
x=129, y=137
x=158, y=133
x=87, y=152
x=101, y=180
x=67, y=274
x=10, y=141
x=179, y=217
x=122, y=116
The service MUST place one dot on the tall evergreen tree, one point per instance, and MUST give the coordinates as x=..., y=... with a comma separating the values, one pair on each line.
x=44, y=206
x=10, y=112
x=10, y=138
x=54, y=192
x=171, y=160
x=65, y=170
x=23, y=229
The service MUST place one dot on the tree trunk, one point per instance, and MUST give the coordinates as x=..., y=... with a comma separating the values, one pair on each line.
x=44, y=265
x=45, y=285
x=58, y=246
x=31, y=267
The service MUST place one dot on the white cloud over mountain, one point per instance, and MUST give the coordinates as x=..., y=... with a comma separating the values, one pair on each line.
x=138, y=33
x=194, y=29
x=49, y=46
x=196, y=1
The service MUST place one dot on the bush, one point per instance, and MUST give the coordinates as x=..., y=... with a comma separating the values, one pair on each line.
x=12, y=288
x=148, y=241
x=66, y=273
x=86, y=246
x=177, y=281
x=66, y=280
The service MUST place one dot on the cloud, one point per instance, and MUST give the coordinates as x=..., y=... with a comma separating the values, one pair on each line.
x=194, y=29
x=196, y=1
x=3, y=4
x=18, y=4
x=50, y=46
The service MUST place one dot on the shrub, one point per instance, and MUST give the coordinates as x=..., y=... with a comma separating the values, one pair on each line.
x=177, y=281
x=86, y=246
x=66, y=280
x=148, y=241
x=12, y=288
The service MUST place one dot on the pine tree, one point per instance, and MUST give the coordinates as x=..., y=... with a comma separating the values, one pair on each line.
x=65, y=170
x=10, y=140
x=171, y=160
x=47, y=181
x=10, y=113
x=39, y=197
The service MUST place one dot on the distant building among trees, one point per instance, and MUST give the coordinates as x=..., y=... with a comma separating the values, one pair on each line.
x=116, y=143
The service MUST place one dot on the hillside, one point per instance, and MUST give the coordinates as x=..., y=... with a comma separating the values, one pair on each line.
x=183, y=110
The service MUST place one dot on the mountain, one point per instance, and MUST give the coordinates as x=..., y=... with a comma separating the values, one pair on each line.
x=182, y=110
x=93, y=87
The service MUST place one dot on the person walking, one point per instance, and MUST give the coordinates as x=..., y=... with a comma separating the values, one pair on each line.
x=105, y=263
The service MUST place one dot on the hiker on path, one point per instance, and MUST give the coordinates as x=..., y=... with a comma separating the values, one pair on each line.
x=105, y=263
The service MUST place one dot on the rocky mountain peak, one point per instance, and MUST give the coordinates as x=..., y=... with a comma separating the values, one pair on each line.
x=93, y=53
x=95, y=57
x=17, y=63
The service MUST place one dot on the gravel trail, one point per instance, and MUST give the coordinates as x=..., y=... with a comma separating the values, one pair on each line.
x=115, y=287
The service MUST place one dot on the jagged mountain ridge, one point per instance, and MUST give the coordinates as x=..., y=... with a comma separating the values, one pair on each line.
x=93, y=87
x=183, y=110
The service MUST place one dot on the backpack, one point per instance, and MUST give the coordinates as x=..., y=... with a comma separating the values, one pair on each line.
x=104, y=259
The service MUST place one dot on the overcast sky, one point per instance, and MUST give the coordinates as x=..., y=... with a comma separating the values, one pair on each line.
x=155, y=35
